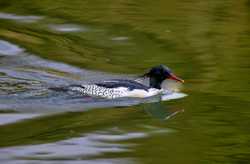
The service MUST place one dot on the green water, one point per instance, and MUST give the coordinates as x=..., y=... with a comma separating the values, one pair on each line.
x=204, y=42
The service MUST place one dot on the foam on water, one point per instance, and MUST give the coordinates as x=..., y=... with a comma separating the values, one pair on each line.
x=172, y=96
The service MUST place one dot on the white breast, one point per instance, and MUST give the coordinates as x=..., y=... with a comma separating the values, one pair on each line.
x=142, y=93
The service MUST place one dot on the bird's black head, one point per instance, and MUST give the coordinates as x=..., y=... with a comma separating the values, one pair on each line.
x=158, y=74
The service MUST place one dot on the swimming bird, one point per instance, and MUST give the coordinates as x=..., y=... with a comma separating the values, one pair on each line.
x=117, y=88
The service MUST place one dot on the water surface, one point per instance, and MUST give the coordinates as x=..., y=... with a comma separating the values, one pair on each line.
x=46, y=44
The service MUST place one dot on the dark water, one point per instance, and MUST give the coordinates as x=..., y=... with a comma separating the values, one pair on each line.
x=55, y=43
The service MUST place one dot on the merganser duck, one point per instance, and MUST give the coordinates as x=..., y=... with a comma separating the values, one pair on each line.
x=117, y=88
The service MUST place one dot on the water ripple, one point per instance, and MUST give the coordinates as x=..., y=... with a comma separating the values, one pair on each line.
x=78, y=149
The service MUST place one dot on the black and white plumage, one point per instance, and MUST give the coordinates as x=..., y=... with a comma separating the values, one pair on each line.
x=117, y=88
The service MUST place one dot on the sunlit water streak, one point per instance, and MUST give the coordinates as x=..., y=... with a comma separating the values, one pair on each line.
x=13, y=117
x=7, y=48
x=68, y=28
x=20, y=18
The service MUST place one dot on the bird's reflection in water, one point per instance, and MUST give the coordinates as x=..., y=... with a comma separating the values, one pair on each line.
x=160, y=110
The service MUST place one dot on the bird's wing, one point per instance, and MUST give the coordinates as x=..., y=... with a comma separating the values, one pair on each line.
x=115, y=83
